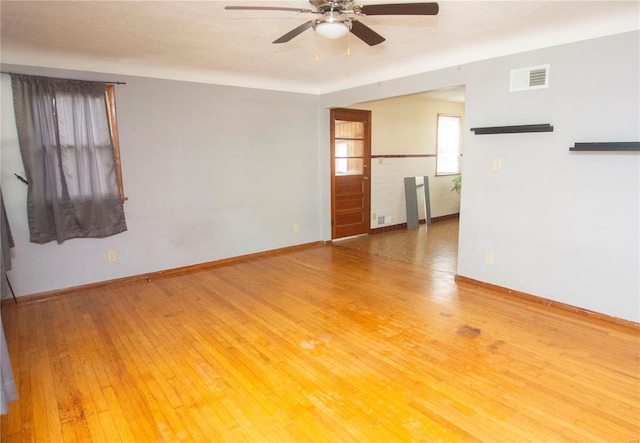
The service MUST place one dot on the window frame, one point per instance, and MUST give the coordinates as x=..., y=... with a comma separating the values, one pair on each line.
x=110, y=95
x=459, y=153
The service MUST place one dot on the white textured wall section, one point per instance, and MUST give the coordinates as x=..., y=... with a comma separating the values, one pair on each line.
x=210, y=171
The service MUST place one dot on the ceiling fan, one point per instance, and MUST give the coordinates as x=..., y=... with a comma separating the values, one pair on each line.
x=333, y=26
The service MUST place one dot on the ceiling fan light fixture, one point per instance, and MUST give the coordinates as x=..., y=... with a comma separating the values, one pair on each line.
x=332, y=29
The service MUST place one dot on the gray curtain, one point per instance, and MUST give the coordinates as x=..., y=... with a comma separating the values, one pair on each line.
x=67, y=151
x=6, y=243
x=7, y=383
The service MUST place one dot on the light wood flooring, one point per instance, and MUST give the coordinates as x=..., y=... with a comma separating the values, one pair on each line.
x=325, y=344
x=434, y=247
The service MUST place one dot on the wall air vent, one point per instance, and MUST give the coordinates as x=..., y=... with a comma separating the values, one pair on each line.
x=534, y=77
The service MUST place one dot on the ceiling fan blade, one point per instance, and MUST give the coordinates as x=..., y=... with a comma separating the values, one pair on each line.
x=400, y=9
x=265, y=8
x=365, y=33
x=295, y=32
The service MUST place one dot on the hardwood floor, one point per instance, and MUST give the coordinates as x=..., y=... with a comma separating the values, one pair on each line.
x=322, y=344
x=434, y=247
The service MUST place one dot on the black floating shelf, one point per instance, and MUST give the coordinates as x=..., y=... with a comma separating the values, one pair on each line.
x=607, y=146
x=545, y=127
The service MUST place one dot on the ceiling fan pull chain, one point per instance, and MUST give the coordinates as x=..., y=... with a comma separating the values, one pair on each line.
x=349, y=45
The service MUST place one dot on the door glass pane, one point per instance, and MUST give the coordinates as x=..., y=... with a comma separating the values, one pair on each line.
x=349, y=148
x=349, y=157
x=349, y=166
x=350, y=130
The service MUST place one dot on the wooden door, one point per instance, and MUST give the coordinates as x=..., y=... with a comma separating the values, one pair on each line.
x=350, y=172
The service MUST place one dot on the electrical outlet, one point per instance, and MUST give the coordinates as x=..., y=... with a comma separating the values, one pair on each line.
x=373, y=216
x=497, y=164
x=111, y=256
x=489, y=258
x=296, y=227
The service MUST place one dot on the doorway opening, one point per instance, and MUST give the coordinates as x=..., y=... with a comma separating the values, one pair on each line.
x=404, y=143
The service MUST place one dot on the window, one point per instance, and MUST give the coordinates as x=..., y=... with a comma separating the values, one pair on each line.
x=65, y=130
x=448, y=144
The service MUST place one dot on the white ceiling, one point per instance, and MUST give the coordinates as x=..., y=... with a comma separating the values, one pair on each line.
x=201, y=41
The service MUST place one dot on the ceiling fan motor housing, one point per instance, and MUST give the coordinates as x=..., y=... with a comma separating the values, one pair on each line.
x=332, y=5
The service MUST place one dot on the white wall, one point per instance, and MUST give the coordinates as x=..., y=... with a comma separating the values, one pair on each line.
x=407, y=126
x=210, y=172
x=561, y=225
